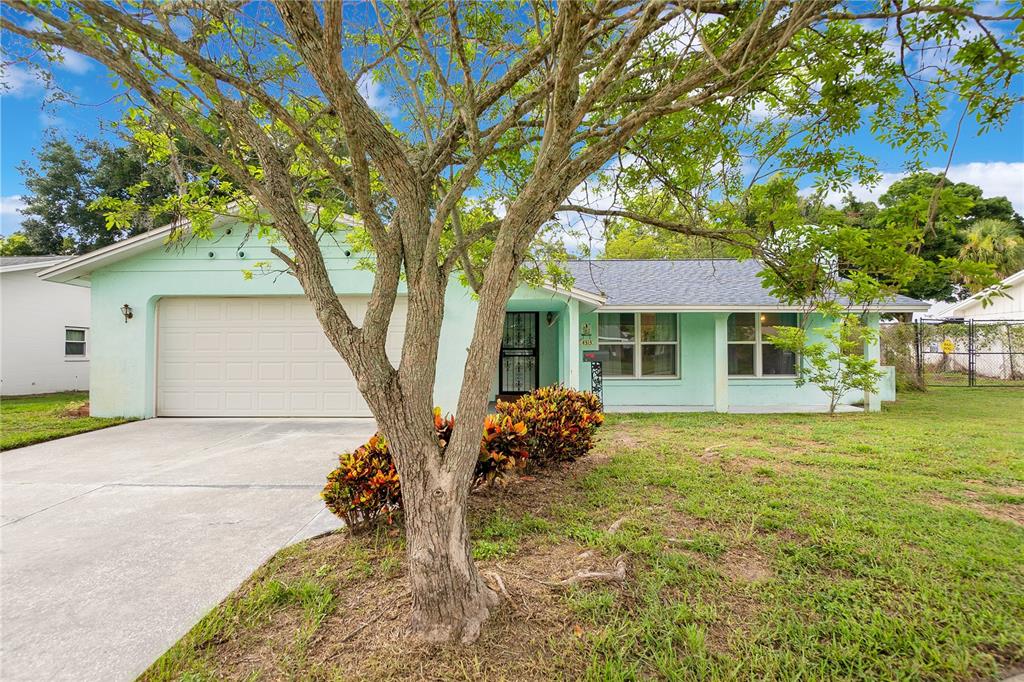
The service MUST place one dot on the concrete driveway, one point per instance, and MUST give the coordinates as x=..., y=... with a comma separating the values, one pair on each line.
x=114, y=543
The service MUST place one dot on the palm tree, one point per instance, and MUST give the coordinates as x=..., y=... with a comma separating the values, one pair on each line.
x=994, y=241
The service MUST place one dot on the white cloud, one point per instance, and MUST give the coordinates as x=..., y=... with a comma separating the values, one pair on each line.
x=995, y=178
x=19, y=81
x=375, y=96
x=74, y=62
x=10, y=217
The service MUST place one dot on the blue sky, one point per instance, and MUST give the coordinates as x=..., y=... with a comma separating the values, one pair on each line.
x=994, y=161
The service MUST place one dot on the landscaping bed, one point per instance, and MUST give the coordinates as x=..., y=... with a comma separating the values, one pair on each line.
x=863, y=546
x=29, y=419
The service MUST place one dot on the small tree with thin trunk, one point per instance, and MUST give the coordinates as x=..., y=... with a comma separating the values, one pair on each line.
x=835, y=362
x=458, y=130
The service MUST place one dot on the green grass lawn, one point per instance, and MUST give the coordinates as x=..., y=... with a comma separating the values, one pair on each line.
x=884, y=546
x=25, y=420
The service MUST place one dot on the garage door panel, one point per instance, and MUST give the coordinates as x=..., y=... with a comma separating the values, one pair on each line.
x=239, y=341
x=273, y=311
x=238, y=402
x=305, y=371
x=211, y=310
x=256, y=357
x=208, y=371
x=239, y=309
x=270, y=342
x=206, y=341
x=338, y=402
x=239, y=371
x=271, y=371
x=305, y=341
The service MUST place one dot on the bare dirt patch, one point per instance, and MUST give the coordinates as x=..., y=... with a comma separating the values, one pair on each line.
x=745, y=565
x=714, y=455
x=76, y=411
x=365, y=636
x=1012, y=513
x=519, y=642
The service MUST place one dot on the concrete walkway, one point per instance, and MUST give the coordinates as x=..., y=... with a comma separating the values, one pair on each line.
x=114, y=543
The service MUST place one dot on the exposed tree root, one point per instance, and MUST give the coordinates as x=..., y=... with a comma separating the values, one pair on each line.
x=617, y=574
x=614, y=528
x=500, y=584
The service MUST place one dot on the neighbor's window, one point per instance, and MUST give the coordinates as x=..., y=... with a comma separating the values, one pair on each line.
x=751, y=353
x=639, y=344
x=74, y=342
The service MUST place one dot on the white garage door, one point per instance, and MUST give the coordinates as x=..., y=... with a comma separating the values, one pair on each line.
x=256, y=357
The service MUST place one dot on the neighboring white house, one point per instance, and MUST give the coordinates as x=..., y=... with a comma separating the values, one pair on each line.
x=988, y=338
x=44, y=329
x=1009, y=307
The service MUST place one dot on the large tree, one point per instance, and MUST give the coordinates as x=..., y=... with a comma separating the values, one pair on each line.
x=498, y=111
x=65, y=182
x=940, y=214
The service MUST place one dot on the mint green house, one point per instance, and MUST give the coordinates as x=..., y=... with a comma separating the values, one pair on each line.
x=179, y=331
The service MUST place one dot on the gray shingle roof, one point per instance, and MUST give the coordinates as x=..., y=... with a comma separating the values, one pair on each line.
x=6, y=261
x=679, y=282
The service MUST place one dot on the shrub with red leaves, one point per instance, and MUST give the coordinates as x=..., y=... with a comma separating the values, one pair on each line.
x=562, y=422
x=365, y=486
x=502, y=449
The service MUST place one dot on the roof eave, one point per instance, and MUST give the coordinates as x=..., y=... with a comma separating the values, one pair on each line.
x=888, y=307
x=976, y=298
x=80, y=267
x=578, y=294
x=30, y=266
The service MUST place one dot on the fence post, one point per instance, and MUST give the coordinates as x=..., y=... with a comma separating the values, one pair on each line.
x=970, y=352
x=917, y=350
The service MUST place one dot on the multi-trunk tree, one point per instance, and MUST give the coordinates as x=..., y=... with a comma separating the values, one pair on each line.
x=457, y=130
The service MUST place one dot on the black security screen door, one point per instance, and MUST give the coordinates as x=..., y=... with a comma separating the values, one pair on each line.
x=517, y=370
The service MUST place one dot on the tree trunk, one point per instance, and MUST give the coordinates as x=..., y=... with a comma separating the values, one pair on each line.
x=449, y=599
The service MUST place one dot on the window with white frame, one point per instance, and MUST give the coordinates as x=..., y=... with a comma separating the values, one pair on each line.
x=639, y=345
x=751, y=354
x=74, y=342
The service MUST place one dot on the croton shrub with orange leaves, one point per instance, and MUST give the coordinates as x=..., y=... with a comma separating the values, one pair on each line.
x=365, y=488
x=548, y=426
x=562, y=423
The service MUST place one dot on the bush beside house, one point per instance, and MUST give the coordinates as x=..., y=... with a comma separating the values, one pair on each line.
x=365, y=486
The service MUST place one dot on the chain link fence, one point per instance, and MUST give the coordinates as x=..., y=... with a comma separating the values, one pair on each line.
x=955, y=352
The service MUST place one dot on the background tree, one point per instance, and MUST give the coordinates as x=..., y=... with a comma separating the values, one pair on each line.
x=514, y=104
x=627, y=240
x=944, y=211
x=16, y=245
x=994, y=241
x=66, y=181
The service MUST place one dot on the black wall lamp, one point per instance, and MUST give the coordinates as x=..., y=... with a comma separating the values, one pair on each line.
x=126, y=310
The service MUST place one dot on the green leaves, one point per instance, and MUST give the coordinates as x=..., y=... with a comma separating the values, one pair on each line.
x=833, y=357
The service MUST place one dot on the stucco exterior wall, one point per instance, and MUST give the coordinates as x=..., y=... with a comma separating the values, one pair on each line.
x=124, y=357
x=695, y=387
x=33, y=319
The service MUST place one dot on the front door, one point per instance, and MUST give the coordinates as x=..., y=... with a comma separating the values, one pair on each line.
x=518, y=367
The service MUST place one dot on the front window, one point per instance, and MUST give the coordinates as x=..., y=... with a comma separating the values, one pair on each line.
x=751, y=354
x=639, y=345
x=74, y=342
